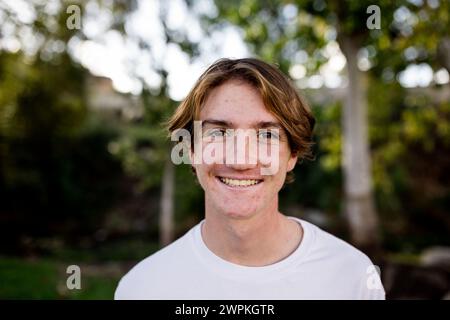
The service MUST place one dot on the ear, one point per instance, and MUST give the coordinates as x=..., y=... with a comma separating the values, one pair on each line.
x=292, y=162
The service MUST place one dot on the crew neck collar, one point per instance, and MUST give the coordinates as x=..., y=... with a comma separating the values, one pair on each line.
x=233, y=270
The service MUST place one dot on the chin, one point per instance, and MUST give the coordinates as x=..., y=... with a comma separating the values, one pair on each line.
x=239, y=213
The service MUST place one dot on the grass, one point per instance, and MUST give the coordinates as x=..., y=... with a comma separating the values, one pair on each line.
x=404, y=258
x=45, y=278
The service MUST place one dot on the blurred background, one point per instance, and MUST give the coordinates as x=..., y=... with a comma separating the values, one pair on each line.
x=85, y=172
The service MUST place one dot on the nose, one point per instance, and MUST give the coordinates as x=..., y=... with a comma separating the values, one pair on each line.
x=241, y=167
x=242, y=153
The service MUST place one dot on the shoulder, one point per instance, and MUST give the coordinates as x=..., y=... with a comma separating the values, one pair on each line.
x=153, y=270
x=345, y=263
x=329, y=247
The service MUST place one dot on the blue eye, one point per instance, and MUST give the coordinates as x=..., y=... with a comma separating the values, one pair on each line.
x=216, y=133
x=268, y=135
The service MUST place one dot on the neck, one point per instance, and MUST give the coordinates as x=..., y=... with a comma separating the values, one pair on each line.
x=261, y=239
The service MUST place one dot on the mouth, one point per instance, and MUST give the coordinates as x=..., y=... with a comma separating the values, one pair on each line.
x=239, y=183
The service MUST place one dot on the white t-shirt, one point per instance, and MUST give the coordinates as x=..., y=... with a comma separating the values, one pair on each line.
x=322, y=267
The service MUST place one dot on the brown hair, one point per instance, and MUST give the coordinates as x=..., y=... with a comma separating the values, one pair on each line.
x=279, y=96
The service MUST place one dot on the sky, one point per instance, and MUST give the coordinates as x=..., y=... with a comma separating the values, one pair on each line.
x=111, y=53
x=107, y=53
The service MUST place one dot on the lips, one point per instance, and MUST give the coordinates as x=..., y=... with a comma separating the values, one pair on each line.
x=242, y=183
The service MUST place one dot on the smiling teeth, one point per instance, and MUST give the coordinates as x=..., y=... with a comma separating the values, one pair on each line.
x=239, y=183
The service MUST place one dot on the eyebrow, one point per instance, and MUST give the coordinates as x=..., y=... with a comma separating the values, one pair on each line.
x=221, y=123
x=228, y=124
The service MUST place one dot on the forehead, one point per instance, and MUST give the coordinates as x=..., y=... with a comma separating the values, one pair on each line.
x=236, y=102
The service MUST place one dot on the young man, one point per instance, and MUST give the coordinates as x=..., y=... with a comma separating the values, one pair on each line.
x=245, y=248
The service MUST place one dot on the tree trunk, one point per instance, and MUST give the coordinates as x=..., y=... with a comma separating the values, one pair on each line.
x=443, y=53
x=360, y=211
x=166, y=216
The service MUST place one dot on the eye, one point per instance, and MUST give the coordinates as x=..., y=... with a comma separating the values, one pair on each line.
x=270, y=134
x=218, y=132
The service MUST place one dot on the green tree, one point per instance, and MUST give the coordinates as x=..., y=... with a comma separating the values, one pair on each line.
x=56, y=176
x=148, y=157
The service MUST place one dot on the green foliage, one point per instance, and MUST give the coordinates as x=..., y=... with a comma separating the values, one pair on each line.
x=52, y=154
x=189, y=203
x=410, y=142
x=311, y=177
x=143, y=145
x=21, y=280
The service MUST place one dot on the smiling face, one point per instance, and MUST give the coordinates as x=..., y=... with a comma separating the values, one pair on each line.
x=239, y=190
